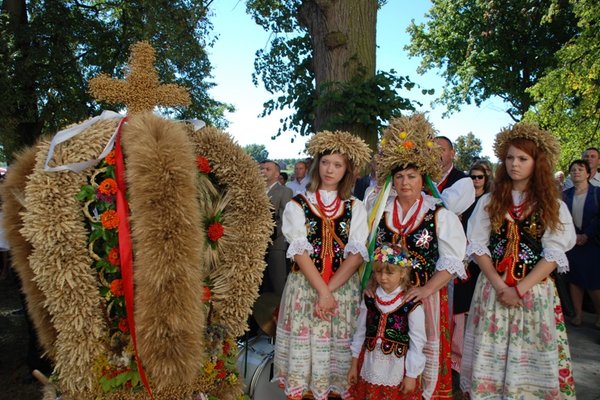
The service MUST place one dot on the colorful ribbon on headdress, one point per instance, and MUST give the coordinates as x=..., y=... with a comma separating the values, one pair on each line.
x=432, y=187
x=373, y=221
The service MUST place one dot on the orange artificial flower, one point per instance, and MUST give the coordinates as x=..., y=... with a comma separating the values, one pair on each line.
x=116, y=287
x=215, y=231
x=109, y=219
x=409, y=144
x=110, y=158
x=203, y=165
x=108, y=186
x=113, y=256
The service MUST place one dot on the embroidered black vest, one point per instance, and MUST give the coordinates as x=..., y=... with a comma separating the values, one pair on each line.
x=529, y=249
x=391, y=328
x=314, y=229
x=422, y=245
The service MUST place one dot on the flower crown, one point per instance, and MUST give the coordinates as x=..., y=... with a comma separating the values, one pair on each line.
x=393, y=256
x=409, y=140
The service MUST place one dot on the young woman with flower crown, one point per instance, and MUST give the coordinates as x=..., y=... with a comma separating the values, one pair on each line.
x=425, y=230
x=327, y=231
x=387, y=350
x=515, y=342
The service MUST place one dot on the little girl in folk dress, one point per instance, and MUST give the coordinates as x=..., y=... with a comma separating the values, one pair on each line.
x=387, y=350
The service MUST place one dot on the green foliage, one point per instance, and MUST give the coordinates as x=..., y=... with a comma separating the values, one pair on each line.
x=257, y=151
x=49, y=54
x=370, y=102
x=568, y=97
x=491, y=48
x=286, y=70
x=468, y=149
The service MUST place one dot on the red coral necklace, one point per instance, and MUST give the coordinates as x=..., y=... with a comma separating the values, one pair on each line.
x=389, y=302
x=329, y=210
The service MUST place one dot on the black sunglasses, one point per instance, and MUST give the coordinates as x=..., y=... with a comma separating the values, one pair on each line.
x=477, y=177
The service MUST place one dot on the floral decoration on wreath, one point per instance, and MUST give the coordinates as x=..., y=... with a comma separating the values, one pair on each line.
x=98, y=196
x=237, y=221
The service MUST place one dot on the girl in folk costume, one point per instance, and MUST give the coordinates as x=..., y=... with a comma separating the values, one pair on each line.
x=515, y=343
x=327, y=231
x=387, y=350
x=425, y=230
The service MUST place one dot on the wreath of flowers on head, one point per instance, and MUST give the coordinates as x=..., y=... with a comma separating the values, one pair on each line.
x=351, y=146
x=409, y=140
x=395, y=256
x=525, y=130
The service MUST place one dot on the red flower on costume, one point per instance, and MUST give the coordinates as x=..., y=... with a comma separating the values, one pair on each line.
x=116, y=287
x=215, y=231
x=113, y=256
x=110, y=158
x=409, y=144
x=123, y=325
x=220, y=364
x=222, y=374
x=108, y=186
x=109, y=219
x=203, y=165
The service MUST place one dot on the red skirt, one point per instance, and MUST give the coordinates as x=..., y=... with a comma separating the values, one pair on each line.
x=364, y=390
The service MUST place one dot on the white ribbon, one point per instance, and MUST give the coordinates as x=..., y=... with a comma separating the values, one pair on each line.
x=69, y=133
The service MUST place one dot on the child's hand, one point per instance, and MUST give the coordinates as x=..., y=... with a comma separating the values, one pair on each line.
x=353, y=373
x=408, y=384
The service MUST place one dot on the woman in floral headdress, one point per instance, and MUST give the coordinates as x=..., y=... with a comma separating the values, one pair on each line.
x=408, y=159
x=327, y=231
x=515, y=343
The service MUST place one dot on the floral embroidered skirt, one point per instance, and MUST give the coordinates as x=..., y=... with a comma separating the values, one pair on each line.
x=313, y=355
x=517, y=353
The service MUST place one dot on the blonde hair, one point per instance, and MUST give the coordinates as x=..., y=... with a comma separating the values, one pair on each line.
x=405, y=280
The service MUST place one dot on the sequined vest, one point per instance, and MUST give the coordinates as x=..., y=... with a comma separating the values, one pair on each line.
x=391, y=328
x=314, y=229
x=422, y=245
x=517, y=247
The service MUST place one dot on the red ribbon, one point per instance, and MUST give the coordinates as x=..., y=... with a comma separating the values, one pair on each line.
x=126, y=252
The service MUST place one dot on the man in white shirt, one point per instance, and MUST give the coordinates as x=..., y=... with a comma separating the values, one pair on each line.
x=456, y=188
x=592, y=156
x=298, y=184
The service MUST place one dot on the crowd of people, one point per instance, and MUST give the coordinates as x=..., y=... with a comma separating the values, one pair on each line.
x=461, y=294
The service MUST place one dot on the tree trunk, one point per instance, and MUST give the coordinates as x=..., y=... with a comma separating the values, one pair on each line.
x=343, y=42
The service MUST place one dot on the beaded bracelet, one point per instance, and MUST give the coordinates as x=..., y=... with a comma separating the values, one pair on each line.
x=518, y=292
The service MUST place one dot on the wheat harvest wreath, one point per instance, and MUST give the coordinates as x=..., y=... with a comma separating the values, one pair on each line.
x=140, y=243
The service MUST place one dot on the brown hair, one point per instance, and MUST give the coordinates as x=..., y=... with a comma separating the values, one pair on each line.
x=484, y=166
x=405, y=281
x=541, y=191
x=344, y=187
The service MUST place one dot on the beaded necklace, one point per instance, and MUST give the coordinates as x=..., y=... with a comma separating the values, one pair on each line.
x=389, y=302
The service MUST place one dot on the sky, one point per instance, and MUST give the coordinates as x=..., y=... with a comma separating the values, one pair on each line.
x=239, y=38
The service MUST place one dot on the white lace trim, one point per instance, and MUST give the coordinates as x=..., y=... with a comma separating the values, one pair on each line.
x=478, y=249
x=452, y=265
x=559, y=257
x=298, y=247
x=355, y=247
